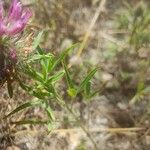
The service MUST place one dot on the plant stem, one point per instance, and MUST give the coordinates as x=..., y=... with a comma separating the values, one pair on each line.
x=61, y=102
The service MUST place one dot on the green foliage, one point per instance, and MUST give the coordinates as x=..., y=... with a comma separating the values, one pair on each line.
x=82, y=146
x=45, y=72
x=141, y=93
x=37, y=40
x=136, y=21
x=23, y=106
x=10, y=89
x=84, y=87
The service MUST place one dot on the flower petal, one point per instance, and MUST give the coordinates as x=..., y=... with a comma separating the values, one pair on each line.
x=1, y=10
x=20, y=24
x=15, y=28
x=13, y=56
x=2, y=28
x=26, y=14
x=15, y=10
x=16, y=20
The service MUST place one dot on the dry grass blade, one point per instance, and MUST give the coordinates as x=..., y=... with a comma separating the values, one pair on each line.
x=96, y=15
x=95, y=130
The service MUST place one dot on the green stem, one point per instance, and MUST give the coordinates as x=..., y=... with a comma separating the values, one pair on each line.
x=61, y=102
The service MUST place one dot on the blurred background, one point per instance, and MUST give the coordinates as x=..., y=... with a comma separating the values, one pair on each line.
x=115, y=36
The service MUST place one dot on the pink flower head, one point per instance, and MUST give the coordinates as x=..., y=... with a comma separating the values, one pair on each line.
x=15, y=20
x=13, y=56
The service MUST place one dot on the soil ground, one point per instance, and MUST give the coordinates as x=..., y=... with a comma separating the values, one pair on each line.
x=109, y=110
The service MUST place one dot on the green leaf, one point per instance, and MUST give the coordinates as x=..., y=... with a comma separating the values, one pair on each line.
x=86, y=80
x=33, y=121
x=88, y=93
x=56, y=77
x=37, y=40
x=140, y=86
x=136, y=98
x=50, y=113
x=93, y=94
x=72, y=92
x=63, y=55
x=68, y=77
x=48, y=110
x=50, y=126
x=23, y=86
x=140, y=95
x=40, y=50
x=88, y=88
x=39, y=94
x=10, y=89
x=23, y=106
x=44, y=70
x=36, y=57
x=71, y=87
x=33, y=74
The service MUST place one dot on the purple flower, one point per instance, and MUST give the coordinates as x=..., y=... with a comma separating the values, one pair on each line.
x=15, y=20
x=13, y=56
